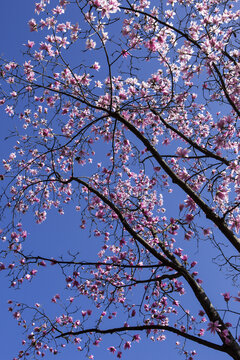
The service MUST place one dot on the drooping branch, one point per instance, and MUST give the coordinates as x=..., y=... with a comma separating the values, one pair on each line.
x=226, y=93
x=35, y=259
x=126, y=225
x=151, y=280
x=123, y=329
x=200, y=294
x=189, y=141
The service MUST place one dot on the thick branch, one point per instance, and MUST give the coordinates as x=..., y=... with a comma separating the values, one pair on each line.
x=233, y=348
x=126, y=225
x=210, y=214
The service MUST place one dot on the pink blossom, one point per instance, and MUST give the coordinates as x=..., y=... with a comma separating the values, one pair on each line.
x=97, y=341
x=77, y=340
x=235, y=223
x=136, y=338
x=207, y=231
x=189, y=218
x=9, y=110
x=124, y=53
x=96, y=66
x=182, y=152
x=201, y=332
x=190, y=203
x=30, y=44
x=112, y=349
x=39, y=7
x=214, y=327
x=226, y=296
x=222, y=194
x=224, y=335
x=194, y=263
x=58, y=10
x=152, y=44
x=33, y=25
x=188, y=235
x=107, y=7
x=184, y=258
x=127, y=345
x=2, y=266
x=90, y=44
x=17, y=315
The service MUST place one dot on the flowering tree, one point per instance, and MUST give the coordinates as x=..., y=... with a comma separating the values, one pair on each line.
x=153, y=87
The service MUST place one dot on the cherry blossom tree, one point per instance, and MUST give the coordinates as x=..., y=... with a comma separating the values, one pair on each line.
x=129, y=111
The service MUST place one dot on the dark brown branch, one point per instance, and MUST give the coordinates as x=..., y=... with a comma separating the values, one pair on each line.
x=200, y=294
x=147, y=327
x=87, y=263
x=126, y=225
x=189, y=141
x=194, y=42
x=155, y=279
x=231, y=102
x=210, y=214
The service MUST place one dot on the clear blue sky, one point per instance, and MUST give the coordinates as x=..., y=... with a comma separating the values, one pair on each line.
x=51, y=237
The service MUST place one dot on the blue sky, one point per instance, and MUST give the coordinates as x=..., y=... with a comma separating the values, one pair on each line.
x=51, y=237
